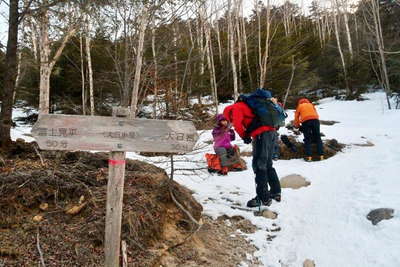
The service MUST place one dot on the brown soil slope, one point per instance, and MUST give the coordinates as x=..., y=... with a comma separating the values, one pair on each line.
x=59, y=204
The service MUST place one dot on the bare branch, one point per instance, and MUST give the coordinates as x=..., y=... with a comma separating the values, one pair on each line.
x=385, y=52
x=39, y=250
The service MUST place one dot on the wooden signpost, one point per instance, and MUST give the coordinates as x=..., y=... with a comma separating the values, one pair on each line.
x=117, y=134
x=71, y=132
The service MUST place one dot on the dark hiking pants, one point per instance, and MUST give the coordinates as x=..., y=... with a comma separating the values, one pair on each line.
x=276, y=149
x=262, y=165
x=227, y=156
x=312, y=134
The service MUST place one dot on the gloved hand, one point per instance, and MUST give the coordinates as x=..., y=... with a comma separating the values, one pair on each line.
x=247, y=140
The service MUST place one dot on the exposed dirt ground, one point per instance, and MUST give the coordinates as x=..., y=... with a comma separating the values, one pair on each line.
x=331, y=147
x=57, y=204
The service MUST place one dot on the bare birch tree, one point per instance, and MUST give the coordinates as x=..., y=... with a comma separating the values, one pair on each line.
x=200, y=35
x=82, y=73
x=238, y=7
x=231, y=33
x=246, y=50
x=265, y=53
x=210, y=63
x=46, y=45
x=217, y=30
x=89, y=61
x=139, y=58
x=336, y=14
x=345, y=11
x=155, y=75
x=372, y=21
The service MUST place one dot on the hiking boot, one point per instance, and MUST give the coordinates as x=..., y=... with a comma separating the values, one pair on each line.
x=222, y=173
x=276, y=197
x=267, y=203
x=211, y=170
x=308, y=159
x=321, y=157
x=256, y=202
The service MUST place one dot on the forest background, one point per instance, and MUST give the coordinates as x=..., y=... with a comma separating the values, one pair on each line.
x=83, y=57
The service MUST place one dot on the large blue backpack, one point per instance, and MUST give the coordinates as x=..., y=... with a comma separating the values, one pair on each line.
x=267, y=113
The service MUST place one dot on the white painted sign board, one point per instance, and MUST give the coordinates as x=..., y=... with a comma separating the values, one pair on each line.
x=72, y=132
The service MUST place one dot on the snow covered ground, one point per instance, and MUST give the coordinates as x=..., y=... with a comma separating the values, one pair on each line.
x=325, y=222
x=21, y=131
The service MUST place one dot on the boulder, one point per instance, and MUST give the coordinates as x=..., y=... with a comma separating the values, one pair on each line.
x=377, y=215
x=308, y=263
x=267, y=214
x=294, y=181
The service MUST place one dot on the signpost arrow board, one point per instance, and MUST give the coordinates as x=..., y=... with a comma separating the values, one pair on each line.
x=72, y=132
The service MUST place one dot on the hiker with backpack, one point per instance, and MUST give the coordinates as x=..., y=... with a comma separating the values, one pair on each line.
x=307, y=119
x=223, y=134
x=255, y=118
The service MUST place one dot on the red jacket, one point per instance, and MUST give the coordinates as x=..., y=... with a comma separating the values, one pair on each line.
x=241, y=116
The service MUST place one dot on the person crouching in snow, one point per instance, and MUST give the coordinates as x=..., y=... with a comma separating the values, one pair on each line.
x=307, y=117
x=223, y=135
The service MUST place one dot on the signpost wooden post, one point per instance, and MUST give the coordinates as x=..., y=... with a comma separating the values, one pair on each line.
x=117, y=135
x=115, y=195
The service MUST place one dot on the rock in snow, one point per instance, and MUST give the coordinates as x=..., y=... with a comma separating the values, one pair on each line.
x=294, y=181
x=377, y=215
x=269, y=214
x=308, y=263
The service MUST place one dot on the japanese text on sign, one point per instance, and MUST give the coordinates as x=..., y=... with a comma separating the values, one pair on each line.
x=57, y=144
x=174, y=136
x=120, y=135
x=57, y=132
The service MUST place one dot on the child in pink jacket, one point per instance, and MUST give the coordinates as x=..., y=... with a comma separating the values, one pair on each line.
x=223, y=135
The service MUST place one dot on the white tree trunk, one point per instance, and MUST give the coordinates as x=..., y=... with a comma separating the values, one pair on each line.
x=335, y=23
x=231, y=33
x=239, y=40
x=200, y=37
x=34, y=38
x=47, y=63
x=210, y=63
x=290, y=82
x=82, y=75
x=246, y=51
x=263, y=74
x=214, y=77
x=44, y=47
x=153, y=49
x=139, y=60
x=219, y=41
x=346, y=24
x=259, y=37
x=381, y=49
x=89, y=62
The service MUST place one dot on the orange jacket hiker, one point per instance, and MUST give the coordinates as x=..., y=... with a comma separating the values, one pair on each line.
x=305, y=111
